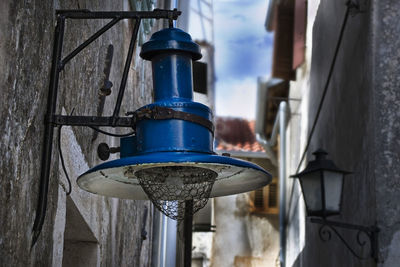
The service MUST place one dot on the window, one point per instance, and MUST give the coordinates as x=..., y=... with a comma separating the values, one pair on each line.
x=265, y=200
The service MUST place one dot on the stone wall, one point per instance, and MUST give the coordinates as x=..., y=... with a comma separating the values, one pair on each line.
x=386, y=117
x=94, y=230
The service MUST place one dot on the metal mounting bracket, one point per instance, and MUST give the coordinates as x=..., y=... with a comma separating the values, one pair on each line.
x=58, y=63
x=370, y=232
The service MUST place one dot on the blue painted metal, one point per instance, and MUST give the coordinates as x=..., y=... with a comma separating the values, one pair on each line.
x=128, y=146
x=171, y=52
x=175, y=135
x=178, y=157
x=171, y=39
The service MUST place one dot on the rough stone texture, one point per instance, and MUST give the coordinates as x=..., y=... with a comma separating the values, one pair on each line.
x=386, y=97
x=359, y=127
x=24, y=79
x=26, y=37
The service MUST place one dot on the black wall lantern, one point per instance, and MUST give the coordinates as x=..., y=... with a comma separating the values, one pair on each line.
x=322, y=186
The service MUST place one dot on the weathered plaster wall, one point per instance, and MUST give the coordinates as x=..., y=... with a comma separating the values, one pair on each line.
x=241, y=237
x=114, y=226
x=359, y=127
x=24, y=79
x=297, y=131
x=344, y=127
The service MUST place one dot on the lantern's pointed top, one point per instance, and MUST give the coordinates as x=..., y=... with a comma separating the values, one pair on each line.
x=321, y=163
x=320, y=154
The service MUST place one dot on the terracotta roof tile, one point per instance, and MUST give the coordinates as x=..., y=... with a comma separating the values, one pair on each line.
x=236, y=134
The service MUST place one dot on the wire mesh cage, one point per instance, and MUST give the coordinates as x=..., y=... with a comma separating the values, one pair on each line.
x=169, y=187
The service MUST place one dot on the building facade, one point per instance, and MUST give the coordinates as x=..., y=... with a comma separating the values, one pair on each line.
x=246, y=224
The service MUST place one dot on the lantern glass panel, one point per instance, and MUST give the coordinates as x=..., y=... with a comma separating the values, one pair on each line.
x=311, y=186
x=333, y=182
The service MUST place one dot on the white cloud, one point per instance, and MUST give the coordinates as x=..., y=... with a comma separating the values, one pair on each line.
x=237, y=98
x=242, y=52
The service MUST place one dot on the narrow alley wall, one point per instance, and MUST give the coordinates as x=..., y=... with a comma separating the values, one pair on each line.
x=359, y=128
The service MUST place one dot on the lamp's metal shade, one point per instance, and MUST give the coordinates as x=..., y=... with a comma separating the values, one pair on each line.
x=117, y=178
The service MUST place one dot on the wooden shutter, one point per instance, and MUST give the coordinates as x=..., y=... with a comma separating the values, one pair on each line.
x=282, y=65
x=299, y=35
x=266, y=199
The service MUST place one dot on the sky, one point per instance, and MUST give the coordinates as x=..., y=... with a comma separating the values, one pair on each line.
x=243, y=51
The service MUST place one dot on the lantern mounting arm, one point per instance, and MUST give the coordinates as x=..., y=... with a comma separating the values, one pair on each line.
x=58, y=64
x=371, y=232
x=155, y=113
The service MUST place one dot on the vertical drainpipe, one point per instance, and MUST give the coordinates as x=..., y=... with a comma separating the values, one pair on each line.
x=282, y=182
x=279, y=126
x=156, y=251
x=164, y=241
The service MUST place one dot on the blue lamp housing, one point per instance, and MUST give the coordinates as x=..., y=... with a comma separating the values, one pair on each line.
x=174, y=144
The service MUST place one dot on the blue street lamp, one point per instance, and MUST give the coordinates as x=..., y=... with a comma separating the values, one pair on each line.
x=171, y=156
